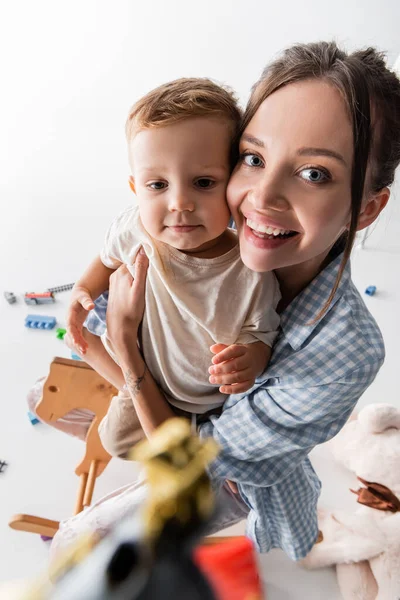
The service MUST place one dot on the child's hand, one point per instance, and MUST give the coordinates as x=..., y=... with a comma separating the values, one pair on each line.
x=81, y=303
x=236, y=367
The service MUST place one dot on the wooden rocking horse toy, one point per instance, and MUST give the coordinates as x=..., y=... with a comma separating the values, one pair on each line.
x=73, y=384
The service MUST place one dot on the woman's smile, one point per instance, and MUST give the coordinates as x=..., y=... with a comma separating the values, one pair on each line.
x=264, y=239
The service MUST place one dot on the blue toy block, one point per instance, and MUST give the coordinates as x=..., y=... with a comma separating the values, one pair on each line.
x=40, y=322
x=371, y=289
x=33, y=418
x=75, y=356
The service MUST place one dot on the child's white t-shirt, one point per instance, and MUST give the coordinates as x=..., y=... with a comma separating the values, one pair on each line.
x=192, y=303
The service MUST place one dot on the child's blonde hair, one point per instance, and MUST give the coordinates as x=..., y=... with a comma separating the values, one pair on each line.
x=183, y=99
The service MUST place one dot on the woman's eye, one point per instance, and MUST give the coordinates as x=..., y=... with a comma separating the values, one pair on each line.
x=252, y=160
x=157, y=185
x=205, y=182
x=313, y=175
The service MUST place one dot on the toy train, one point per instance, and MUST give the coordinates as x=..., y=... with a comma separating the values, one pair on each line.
x=44, y=298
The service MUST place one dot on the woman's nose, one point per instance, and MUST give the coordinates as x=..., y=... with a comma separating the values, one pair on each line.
x=268, y=194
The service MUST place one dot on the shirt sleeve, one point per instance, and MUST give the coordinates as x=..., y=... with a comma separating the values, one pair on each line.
x=265, y=435
x=262, y=321
x=120, y=243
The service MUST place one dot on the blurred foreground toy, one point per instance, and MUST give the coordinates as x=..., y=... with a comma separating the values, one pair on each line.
x=10, y=297
x=181, y=495
x=43, y=298
x=33, y=418
x=60, y=333
x=371, y=289
x=61, y=288
x=3, y=465
x=150, y=555
x=40, y=322
x=231, y=568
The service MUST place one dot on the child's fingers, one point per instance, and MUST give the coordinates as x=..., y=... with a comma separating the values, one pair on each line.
x=229, y=378
x=72, y=346
x=75, y=335
x=215, y=348
x=84, y=299
x=238, y=388
x=230, y=366
x=230, y=352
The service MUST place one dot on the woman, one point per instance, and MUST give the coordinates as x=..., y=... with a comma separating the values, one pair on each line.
x=319, y=148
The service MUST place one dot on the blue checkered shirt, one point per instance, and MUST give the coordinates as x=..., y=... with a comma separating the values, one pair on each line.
x=314, y=379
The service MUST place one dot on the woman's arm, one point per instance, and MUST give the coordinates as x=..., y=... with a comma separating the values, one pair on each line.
x=150, y=405
x=265, y=435
x=124, y=315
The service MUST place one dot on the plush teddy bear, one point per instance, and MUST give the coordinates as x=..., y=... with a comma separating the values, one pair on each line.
x=365, y=544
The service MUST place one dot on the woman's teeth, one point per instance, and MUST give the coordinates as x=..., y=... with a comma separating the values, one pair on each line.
x=266, y=230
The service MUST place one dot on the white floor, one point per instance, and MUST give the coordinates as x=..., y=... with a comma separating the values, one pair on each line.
x=39, y=478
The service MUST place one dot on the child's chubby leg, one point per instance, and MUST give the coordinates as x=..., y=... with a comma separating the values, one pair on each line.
x=120, y=429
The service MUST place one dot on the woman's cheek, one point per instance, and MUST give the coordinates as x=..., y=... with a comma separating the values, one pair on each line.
x=234, y=194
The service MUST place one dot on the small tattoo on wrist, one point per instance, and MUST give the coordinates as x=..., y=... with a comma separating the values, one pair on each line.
x=133, y=384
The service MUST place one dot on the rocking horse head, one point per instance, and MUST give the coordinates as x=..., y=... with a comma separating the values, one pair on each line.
x=73, y=384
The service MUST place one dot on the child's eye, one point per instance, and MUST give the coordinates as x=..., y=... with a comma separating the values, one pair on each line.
x=251, y=160
x=157, y=185
x=314, y=175
x=205, y=182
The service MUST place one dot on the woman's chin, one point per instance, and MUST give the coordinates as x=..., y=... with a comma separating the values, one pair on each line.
x=259, y=264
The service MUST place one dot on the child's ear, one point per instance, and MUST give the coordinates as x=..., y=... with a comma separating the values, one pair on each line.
x=132, y=184
x=375, y=204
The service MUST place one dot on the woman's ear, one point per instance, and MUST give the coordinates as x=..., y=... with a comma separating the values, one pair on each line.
x=132, y=184
x=375, y=204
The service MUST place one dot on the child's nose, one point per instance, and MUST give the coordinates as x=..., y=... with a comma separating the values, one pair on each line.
x=181, y=202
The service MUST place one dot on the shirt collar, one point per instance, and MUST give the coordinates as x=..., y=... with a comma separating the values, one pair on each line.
x=306, y=306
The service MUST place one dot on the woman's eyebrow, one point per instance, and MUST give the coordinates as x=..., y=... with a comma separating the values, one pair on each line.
x=253, y=140
x=321, y=152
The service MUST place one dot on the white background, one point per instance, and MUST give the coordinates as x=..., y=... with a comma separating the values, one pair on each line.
x=69, y=73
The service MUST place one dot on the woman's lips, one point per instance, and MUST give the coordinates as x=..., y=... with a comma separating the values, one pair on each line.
x=265, y=241
x=261, y=222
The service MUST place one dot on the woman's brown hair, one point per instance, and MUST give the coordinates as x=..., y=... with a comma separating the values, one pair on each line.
x=372, y=96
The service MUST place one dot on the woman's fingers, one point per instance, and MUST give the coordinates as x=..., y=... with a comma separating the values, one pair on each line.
x=141, y=266
x=126, y=301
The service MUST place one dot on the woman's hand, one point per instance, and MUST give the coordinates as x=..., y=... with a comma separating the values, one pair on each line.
x=126, y=303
